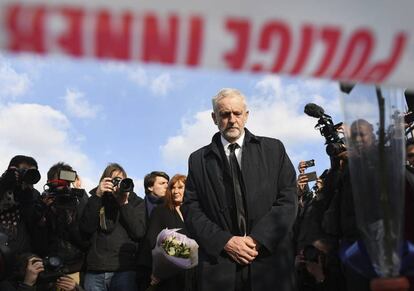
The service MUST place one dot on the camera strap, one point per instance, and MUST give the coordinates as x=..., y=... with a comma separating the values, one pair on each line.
x=102, y=220
x=58, y=183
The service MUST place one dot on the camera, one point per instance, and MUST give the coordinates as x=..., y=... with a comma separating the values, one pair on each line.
x=334, y=144
x=311, y=254
x=15, y=177
x=64, y=196
x=310, y=163
x=124, y=185
x=67, y=197
x=54, y=268
x=312, y=176
x=11, y=185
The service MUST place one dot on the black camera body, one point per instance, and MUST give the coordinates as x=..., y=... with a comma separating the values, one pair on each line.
x=124, y=185
x=64, y=195
x=311, y=254
x=310, y=163
x=15, y=177
x=11, y=185
x=334, y=144
x=54, y=268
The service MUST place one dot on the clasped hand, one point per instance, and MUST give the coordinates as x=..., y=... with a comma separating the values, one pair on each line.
x=242, y=249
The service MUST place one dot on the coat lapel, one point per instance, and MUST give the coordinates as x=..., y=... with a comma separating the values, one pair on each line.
x=217, y=168
x=250, y=170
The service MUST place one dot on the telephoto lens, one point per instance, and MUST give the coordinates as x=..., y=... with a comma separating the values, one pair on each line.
x=125, y=185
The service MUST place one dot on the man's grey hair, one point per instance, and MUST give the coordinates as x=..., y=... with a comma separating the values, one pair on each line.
x=227, y=92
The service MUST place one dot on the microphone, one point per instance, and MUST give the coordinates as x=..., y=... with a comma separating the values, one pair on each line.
x=314, y=110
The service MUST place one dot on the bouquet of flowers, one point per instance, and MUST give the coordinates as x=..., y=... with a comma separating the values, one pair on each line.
x=173, y=253
x=175, y=248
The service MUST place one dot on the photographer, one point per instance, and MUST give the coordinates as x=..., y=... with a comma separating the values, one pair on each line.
x=305, y=199
x=302, y=181
x=114, y=219
x=319, y=267
x=17, y=199
x=317, y=264
x=58, y=234
x=340, y=217
x=326, y=209
x=30, y=267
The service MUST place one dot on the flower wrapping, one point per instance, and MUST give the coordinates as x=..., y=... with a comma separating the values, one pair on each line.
x=173, y=253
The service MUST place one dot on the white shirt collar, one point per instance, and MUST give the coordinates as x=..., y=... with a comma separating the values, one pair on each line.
x=226, y=144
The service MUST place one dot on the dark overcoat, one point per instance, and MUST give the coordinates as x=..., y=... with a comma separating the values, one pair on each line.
x=271, y=202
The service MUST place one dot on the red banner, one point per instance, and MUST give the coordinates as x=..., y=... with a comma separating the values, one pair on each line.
x=373, y=50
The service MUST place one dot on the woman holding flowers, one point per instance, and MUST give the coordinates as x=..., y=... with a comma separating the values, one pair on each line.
x=168, y=216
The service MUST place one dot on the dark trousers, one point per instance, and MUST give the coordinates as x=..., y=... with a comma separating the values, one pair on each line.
x=243, y=278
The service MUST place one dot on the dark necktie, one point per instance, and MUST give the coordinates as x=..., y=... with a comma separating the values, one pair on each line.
x=237, y=186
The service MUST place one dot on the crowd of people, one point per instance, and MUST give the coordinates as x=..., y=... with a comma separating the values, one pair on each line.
x=257, y=224
x=327, y=223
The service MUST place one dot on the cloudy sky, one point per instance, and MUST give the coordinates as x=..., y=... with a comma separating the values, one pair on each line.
x=88, y=113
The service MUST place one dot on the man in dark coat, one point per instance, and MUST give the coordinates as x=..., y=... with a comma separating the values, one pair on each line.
x=243, y=225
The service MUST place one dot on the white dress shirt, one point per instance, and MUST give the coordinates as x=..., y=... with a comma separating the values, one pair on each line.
x=238, y=151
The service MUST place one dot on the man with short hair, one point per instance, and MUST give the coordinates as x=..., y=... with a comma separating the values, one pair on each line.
x=240, y=204
x=155, y=184
x=114, y=221
x=62, y=208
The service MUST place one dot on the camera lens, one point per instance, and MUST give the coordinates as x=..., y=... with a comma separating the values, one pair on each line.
x=55, y=262
x=31, y=176
x=126, y=185
x=115, y=181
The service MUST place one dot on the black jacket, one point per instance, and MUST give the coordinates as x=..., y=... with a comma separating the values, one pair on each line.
x=271, y=204
x=113, y=249
x=58, y=234
x=161, y=218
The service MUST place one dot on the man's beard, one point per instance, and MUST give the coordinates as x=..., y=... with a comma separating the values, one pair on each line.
x=232, y=133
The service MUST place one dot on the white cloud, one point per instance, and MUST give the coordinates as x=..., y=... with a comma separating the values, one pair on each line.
x=138, y=76
x=77, y=105
x=44, y=133
x=12, y=83
x=270, y=86
x=276, y=110
x=159, y=84
x=194, y=134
